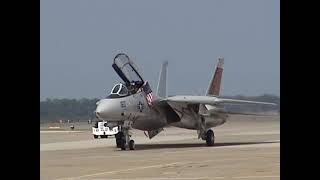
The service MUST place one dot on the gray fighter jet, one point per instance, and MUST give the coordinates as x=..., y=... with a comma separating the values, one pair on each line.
x=132, y=104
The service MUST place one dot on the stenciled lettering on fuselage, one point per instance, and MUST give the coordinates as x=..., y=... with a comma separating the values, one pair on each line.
x=123, y=104
x=140, y=106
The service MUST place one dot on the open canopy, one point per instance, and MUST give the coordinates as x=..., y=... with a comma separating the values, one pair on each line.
x=127, y=71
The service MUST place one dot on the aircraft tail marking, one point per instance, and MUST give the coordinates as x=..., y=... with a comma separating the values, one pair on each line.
x=214, y=87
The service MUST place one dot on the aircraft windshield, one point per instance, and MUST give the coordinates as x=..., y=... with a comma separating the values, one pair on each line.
x=127, y=71
x=119, y=90
x=115, y=89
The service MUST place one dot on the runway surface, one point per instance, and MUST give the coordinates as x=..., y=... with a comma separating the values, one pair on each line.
x=247, y=147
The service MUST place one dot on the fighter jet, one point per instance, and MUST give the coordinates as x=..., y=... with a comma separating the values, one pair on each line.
x=132, y=104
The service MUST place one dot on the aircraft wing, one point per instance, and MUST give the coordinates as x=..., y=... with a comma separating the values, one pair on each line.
x=210, y=100
x=181, y=102
x=237, y=101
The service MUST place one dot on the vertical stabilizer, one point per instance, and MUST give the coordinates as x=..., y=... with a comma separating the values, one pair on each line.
x=214, y=86
x=162, y=84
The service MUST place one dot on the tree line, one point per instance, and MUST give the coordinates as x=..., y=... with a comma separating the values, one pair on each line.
x=53, y=110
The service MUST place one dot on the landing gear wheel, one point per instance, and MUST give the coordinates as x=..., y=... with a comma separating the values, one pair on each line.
x=131, y=145
x=95, y=136
x=210, y=138
x=119, y=137
x=123, y=145
x=118, y=142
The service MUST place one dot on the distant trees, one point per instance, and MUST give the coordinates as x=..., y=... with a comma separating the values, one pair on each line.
x=67, y=109
x=52, y=110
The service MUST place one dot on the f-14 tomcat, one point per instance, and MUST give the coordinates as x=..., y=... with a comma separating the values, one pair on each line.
x=132, y=104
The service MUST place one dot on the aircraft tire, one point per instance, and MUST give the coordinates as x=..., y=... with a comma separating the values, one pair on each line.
x=210, y=138
x=119, y=137
x=131, y=145
x=95, y=136
x=118, y=143
x=123, y=145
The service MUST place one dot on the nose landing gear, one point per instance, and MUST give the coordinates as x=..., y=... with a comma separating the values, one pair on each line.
x=123, y=140
x=131, y=145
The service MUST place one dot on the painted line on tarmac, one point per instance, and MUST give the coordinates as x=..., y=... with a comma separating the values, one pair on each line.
x=254, y=177
x=145, y=167
x=125, y=170
x=264, y=143
x=254, y=133
x=168, y=178
x=200, y=178
x=62, y=131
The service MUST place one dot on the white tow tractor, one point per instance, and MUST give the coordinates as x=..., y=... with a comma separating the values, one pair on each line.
x=101, y=129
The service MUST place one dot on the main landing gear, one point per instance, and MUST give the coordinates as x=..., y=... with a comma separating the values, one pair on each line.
x=123, y=140
x=208, y=136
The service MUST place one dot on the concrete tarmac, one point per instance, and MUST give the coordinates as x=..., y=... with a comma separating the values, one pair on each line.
x=247, y=147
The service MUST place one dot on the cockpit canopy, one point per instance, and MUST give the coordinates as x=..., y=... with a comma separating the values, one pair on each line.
x=119, y=90
x=128, y=72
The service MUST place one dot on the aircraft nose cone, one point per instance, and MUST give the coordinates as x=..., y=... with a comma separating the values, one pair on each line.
x=108, y=110
x=100, y=111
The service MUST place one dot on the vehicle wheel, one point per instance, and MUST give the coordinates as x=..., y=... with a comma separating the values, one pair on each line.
x=210, y=138
x=131, y=145
x=95, y=136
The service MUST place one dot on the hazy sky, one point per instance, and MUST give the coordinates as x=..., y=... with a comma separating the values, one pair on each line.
x=79, y=39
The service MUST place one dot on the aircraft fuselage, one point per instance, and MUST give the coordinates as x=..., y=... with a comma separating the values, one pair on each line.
x=135, y=108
